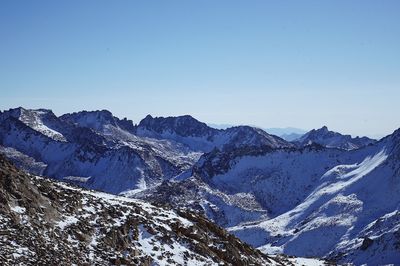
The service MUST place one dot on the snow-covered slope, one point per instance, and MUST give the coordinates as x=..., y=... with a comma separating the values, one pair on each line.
x=122, y=132
x=314, y=201
x=41, y=120
x=242, y=185
x=332, y=139
x=350, y=215
x=43, y=222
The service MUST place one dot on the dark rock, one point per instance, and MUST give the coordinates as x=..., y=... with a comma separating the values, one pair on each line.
x=367, y=242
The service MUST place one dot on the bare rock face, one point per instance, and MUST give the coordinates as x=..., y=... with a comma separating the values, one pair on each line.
x=45, y=222
x=366, y=243
x=185, y=126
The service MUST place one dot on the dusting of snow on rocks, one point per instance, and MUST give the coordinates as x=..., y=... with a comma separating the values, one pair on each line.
x=45, y=222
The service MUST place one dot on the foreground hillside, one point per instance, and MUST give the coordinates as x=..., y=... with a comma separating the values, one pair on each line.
x=45, y=222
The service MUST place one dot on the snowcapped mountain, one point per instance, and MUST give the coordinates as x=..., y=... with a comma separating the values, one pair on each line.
x=122, y=133
x=45, y=222
x=185, y=126
x=242, y=185
x=100, y=121
x=86, y=156
x=326, y=195
x=287, y=133
x=315, y=202
x=331, y=139
x=100, y=151
x=198, y=136
x=352, y=210
x=41, y=120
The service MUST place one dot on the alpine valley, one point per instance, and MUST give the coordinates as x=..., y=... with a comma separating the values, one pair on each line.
x=322, y=195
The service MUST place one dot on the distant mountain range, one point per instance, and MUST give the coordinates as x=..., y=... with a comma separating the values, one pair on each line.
x=287, y=133
x=332, y=139
x=322, y=194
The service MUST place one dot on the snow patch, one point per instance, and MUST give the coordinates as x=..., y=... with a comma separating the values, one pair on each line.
x=68, y=221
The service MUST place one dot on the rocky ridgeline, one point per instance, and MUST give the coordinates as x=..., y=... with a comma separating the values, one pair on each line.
x=110, y=154
x=331, y=139
x=45, y=222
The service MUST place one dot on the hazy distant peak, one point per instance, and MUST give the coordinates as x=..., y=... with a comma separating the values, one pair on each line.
x=324, y=129
x=331, y=139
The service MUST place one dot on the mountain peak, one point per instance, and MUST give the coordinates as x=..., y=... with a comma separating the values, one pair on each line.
x=168, y=118
x=320, y=131
x=19, y=109
x=97, y=120
x=105, y=114
x=184, y=125
x=324, y=128
x=148, y=117
x=21, y=112
x=323, y=136
x=41, y=120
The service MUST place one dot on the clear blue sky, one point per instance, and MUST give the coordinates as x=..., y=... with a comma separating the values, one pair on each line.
x=268, y=63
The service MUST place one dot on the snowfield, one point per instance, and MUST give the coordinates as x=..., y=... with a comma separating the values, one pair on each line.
x=333, y=220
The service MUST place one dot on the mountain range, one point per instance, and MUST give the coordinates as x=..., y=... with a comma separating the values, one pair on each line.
x=324, y=194
x=332, y=139
x=287, y=133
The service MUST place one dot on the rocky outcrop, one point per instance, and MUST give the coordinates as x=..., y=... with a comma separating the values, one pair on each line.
x=45, y=222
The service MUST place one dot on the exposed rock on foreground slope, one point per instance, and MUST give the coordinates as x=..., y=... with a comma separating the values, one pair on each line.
x=45, y=222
